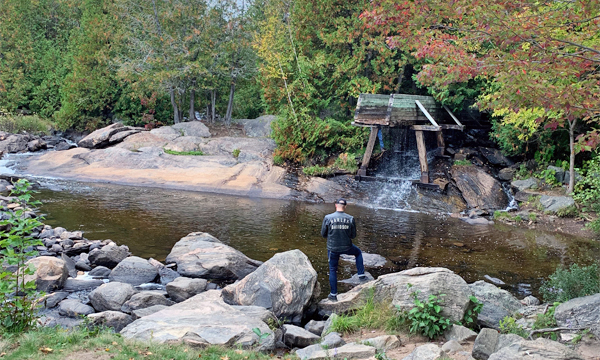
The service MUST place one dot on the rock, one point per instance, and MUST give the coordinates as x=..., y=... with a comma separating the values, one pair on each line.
x=192, y=128
x=494, y=280
x=112, y=319
x=145, y=299
x=57, y=249
x=495, y=157
x=426, y=352
x=134, y=270
x=73, y=285
x=540, y=349
x=14, y=143
x=100, y=272
x=164, y=133
x=506, y=174
x=101, y=137
x=579, y=312
x=45, y=234
x=286, y=284
x=63, y=145
x=369, y=260
x=556, y=203
x=559, y=173
x=332, y=340
x=184, y=144
x=451, y=347
x=485, y=344
x=459, y=333
x=355, y=280
x=347, y=352
x=497, y=303
x=479, y=189
x=108, y=256
x=184, y=288
x=522, y=185
x=35, y=145
x=78, y=248
x=295, y=336
x=259, y=127
x=167, y=275
x=73, y=308
x=394, y=287
x=505, y=340
x=477, y=221
x=120, y=136
x=111, y=296
x=70, y=265
x=82, y=266
x=136, y=314
x=328, y=323
x=383, y=343
x=50, y=273
x=315, y=327
x=51, y=300
x=530, y=301
x=200, y=255
x=202, y=320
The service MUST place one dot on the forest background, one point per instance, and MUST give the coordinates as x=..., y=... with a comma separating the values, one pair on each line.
x=532, y=66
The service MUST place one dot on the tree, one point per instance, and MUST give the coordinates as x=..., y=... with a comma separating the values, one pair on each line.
x=538, y=55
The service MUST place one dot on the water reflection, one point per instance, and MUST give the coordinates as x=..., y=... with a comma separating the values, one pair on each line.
x=150, y=221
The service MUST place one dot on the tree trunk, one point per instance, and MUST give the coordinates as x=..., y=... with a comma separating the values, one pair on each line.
x=230, y=103
x=174, y=104
x=213, y=100
x=192, y=115
x=572, y=158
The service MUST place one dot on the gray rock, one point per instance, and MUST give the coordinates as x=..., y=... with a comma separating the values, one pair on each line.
x=78, y=248
x=200, y=255
x=50, y=273
x=108, y=256
x=63, y=145
x=259, y=127
x=70, y=265
x=522, y=185
x=383, y=342
x=46, y=234
x=328, y=323
x=479, y=189
x=286, y=284
x=295, y=336
x=112, y=319
x=579, y=312
x=426, y=352
x=134, y=270
x=495, y=157
x=111, y=296
x=477, y=221
x=82, y=266
x=485, y=344
x=506, y=174
x=348, y=351
x=192, y=128
x=540, y=349
x=451, y=347
x=505, y=340
x=14, y=143
x=74, y=308
x=101, y=272
x=332, y=340
x=369, y=260
x=497, y=303
x=167, y=275
x=459, y=333
x=559, y=173
x=394, y=287
x=51, y=300
x=183, y=288
x=315, y=327
x=58, y=231
x=530, y=301
x=202, y=320
x=145, y=299
x=355, y=280
x=136, y=314
x=57, y=249
x=494, y=280
x=556, y=203
x=120, y=136
x=73, y=285
x=101, y=137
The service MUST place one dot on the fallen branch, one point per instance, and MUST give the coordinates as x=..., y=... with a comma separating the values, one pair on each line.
x=541, y=331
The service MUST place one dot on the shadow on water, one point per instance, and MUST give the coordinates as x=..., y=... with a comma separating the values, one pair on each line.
x=150, y=221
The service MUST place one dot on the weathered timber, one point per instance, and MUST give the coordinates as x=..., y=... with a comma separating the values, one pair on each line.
x=367, y=157
x=374, y=109
x=452, y=116
x=426, y=128
x=422, y=156
x=426, y=113
x=440, y=142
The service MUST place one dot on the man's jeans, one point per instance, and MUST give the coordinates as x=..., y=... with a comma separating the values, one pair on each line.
x=334, y=258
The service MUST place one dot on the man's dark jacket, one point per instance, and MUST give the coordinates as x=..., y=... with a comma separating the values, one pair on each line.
x=339, y=228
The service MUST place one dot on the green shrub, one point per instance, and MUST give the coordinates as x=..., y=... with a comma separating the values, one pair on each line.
x=462, y=163
x=548, y=176
x=426, y=318
x=372, y=315
x=346, y=161
x=318, y=170
x=30, y=123
x=568, y=212
x=587, y=190
x=473, y=311
x=567, y=284
x=235, y=153
x=18, y=298
x=509, y=325
x=546, y=321
x=195, y=153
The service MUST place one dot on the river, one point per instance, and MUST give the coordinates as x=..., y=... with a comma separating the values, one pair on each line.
x=150, y=221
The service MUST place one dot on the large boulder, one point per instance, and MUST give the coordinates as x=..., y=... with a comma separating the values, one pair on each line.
x=14, y=143
x=426, y=352
x=134, y=270
x=145, y=299
x=579, y=312
x=112, y=319
x=203, y=320
x=285, y=284
x=259, y=127
x=184, y=144
x=101, y=137
x=74, y=308
x=522, y=185
x=495, y=157
x=297, y=337
x=347, y=352
x=184, y=288
x=497, y=303
x=111, y=296
x=459, y=333
x=540, y=349
x=478, y=188
x=50, y=273
x=556, y=203
x=394, y=287
x=192, y=128
x=200, y=255
x=108, y=256
x=485, y=344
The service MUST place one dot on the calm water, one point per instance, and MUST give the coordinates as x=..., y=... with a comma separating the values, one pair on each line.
x=150, y=221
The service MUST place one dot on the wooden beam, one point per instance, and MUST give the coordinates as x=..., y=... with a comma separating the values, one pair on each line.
x=452, y=116
x=422, y=157
x=357, y=110
x=368, y=152
x=452, y=127
x=426, y=128
x=388, y=114
x=424, y=111
x=440, y=142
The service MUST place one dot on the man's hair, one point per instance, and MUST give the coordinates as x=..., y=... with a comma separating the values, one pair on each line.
x=341, y=202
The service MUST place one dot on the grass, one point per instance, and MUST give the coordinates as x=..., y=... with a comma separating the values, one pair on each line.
x=462, y=163
x=506, y=215
x=371, y=316
x=56, y=343
x=29, y=123
x=196, y=153
x=235, y=153
x=318, y=170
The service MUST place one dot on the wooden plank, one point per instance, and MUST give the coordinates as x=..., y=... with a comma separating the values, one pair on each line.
x=452, y=116
x=368, y=152
x=357, y=107
x=422, y=157
x=452, y=127
x=426, y=128
x=440, y=142
x=427, y=115
x=389, y=110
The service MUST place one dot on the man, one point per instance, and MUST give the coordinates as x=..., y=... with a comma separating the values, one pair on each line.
x=339, y=228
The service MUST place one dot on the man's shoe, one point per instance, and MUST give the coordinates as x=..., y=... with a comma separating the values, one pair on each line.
x=362, y=277
x=332, y=297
